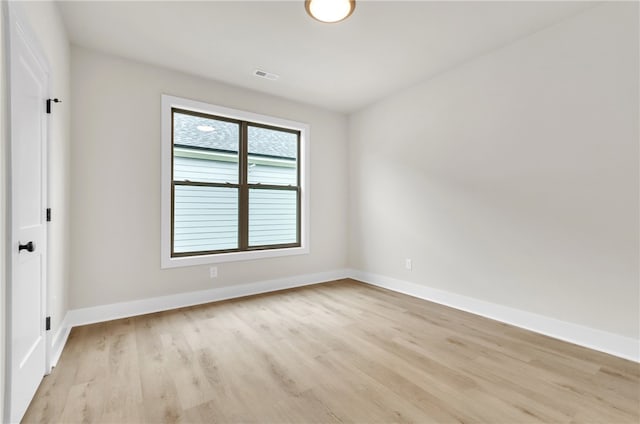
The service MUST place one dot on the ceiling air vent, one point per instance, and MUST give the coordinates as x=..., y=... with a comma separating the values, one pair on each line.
x=267, y=75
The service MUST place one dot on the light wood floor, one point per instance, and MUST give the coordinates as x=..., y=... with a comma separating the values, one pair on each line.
x=338, y=352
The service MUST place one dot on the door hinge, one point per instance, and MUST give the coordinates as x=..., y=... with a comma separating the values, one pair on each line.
x=48, y=214
x=47, y=324
x=49, y=103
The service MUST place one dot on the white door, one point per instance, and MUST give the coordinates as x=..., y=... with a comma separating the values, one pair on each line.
x=28, y=127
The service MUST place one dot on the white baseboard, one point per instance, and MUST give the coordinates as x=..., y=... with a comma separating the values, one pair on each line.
x=113, y=311
x=614, y=344
x=59, y=340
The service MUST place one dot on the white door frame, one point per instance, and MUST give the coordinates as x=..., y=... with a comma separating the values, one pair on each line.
x=17, y=17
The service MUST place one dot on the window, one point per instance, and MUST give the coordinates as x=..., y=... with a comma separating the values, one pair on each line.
x=234, y=185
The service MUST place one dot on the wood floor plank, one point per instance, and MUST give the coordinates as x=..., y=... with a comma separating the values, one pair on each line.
x=332, y=353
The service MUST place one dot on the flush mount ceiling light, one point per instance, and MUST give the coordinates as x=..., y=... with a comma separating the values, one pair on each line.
x=330, y=11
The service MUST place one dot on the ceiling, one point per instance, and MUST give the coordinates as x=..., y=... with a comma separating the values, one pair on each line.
x=383, y=47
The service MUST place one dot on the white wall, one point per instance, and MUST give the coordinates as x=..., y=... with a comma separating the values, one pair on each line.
x=514, y=177
x=115, y=174
x=3, y=200
x=46, y=22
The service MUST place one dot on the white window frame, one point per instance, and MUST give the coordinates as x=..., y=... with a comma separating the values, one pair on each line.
x=168, y=102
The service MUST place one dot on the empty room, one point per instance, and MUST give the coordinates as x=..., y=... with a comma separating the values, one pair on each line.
x=321, y=211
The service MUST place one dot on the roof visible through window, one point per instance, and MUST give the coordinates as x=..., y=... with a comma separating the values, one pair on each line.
x=224, y=137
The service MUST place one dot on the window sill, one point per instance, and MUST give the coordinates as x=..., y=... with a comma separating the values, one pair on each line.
x=169, y=262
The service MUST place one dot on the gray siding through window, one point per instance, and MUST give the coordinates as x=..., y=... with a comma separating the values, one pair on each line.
x=206, y=218
x=272, y=217
x=201, y=170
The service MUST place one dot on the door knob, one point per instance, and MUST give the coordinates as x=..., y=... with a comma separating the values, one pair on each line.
x=29, y=247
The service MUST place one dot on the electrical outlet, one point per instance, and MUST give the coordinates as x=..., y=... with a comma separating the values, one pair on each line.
x=213, y=271
x=408, y=264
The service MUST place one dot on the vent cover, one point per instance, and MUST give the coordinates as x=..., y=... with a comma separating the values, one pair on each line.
x=264, y=74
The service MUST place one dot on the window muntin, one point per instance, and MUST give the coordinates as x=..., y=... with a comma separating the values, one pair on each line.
x=235, y=185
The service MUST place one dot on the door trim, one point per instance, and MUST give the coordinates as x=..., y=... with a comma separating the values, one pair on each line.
x=16, y=20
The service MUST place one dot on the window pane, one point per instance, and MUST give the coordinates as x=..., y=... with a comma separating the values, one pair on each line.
x=205, y=218
x=272, y=156
x=205, y=149
x=272, y=217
